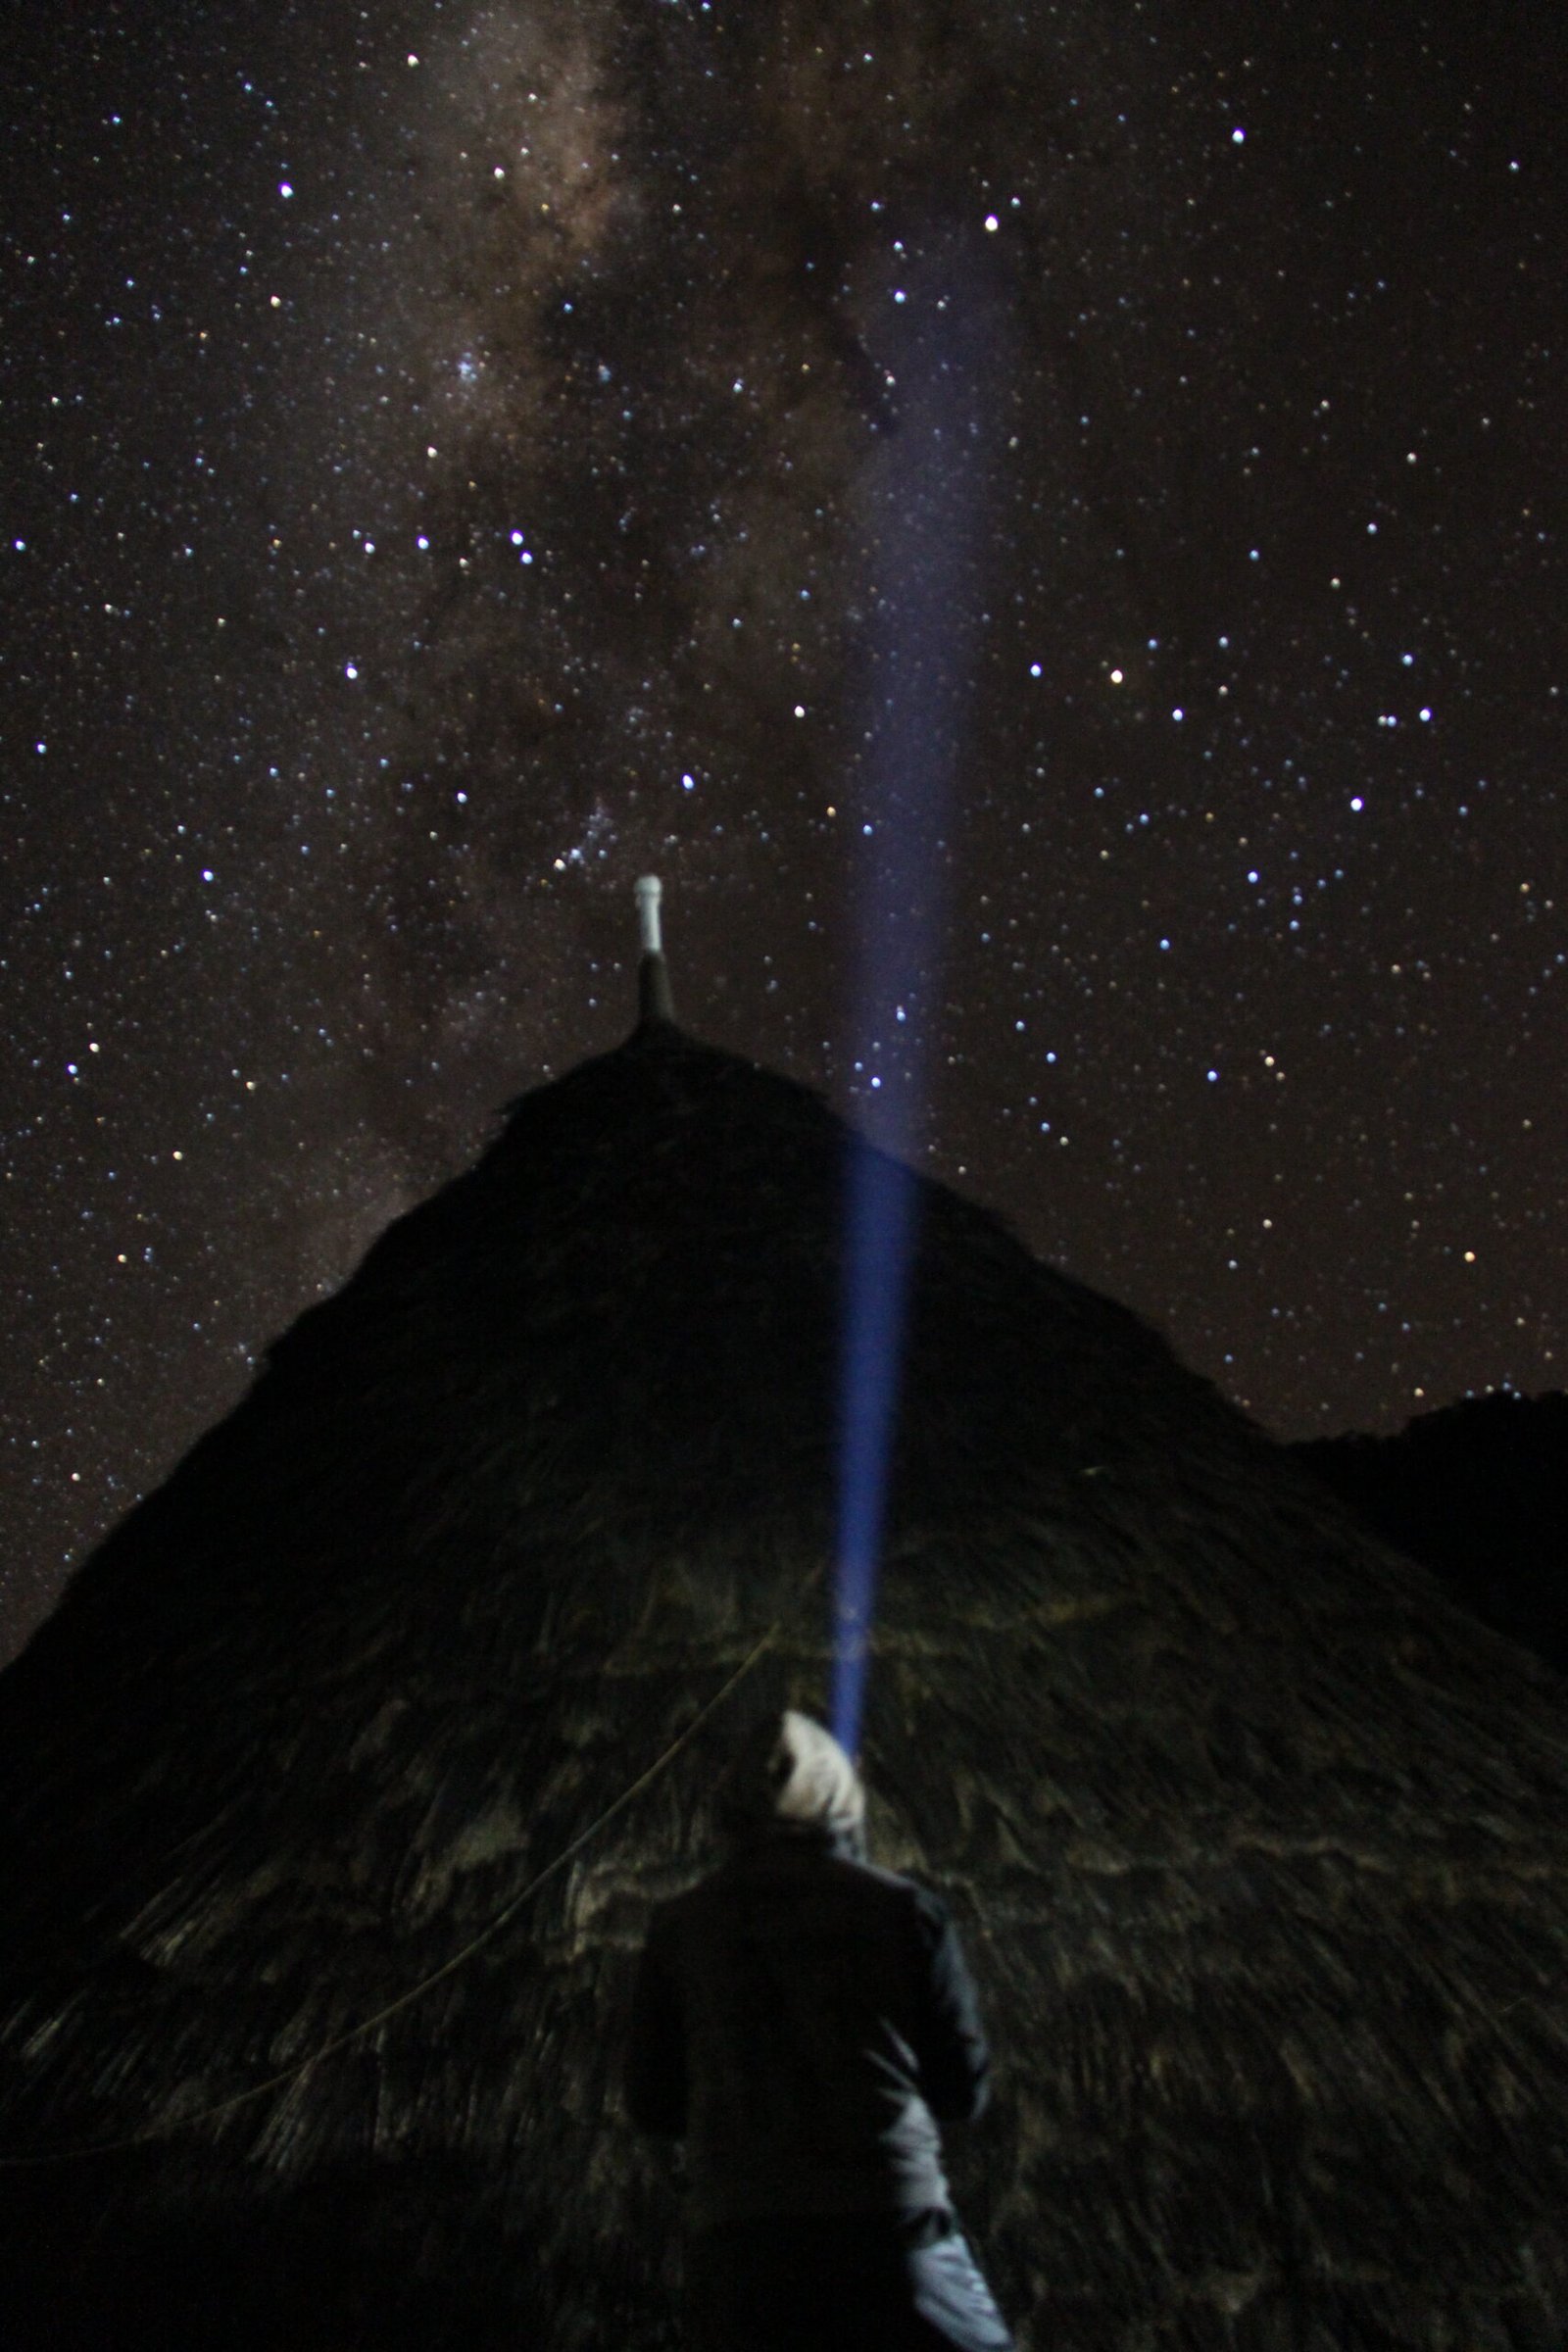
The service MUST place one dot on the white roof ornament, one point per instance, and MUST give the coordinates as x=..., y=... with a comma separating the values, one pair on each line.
x=650, y=890
x=654, y=999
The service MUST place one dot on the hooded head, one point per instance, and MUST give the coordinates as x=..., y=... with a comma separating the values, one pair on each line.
x=791, y=1773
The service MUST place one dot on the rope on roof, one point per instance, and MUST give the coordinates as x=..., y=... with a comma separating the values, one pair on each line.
x=405, y=2001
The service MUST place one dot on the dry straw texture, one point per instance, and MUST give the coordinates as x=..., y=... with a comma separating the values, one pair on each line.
x=1259, y=1847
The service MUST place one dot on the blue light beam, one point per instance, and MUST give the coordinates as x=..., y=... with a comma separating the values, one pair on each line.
x=941, y=347
x=881, y=1215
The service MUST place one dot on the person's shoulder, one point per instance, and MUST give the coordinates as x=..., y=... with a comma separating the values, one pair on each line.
x=900, y=1893
x=872, y=1874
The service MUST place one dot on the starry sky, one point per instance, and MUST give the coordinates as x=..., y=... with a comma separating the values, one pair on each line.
x=1038, y=523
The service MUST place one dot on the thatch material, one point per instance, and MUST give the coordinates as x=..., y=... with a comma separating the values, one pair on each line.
x=1260, y=1848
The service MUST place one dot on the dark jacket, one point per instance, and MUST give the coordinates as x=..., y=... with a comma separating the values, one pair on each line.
x=805, y=2022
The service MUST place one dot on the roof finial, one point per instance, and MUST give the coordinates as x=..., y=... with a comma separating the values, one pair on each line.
x=654, y=999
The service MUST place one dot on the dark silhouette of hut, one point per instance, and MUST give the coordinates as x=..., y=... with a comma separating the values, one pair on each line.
x=1258, y=1845
x=1478, y=1493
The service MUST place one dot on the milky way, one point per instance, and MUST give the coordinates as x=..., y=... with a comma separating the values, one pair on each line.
x=1083, y=477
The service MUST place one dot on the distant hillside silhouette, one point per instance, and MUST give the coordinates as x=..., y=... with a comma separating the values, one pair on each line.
x=1479, y=1493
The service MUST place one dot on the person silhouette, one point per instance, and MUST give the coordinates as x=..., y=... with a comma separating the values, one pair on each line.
x=805, y=2023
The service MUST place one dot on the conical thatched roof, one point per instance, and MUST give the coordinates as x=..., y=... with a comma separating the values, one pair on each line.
x=1260, y=1848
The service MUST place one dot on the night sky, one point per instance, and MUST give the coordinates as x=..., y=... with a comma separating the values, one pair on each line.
x=1041, y=523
